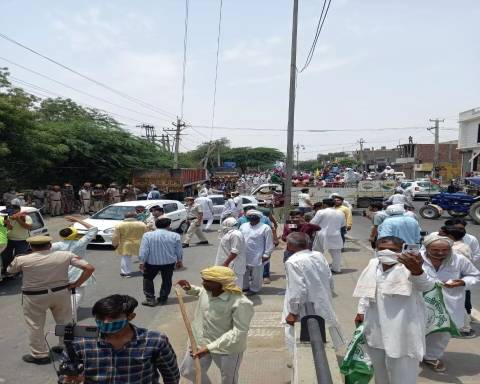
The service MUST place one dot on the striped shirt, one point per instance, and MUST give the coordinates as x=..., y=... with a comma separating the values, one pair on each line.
x=141, y=361
x=161, y=247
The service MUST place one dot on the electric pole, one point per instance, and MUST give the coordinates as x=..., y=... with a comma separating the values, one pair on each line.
x=436, y=163
x=291, y=114
x=298, y=147
x=361, y=142
x=179, y=125
x=150, y=133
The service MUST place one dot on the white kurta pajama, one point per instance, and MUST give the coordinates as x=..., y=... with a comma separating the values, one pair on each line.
x=309, y=280
x=453, y=268
x=258, y=244
x=394, y=310
x=207, y=208
x=329, y=237
x=233, y=242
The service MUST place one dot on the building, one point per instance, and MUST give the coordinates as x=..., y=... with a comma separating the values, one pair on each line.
x=469, y=140
x=378, y=159
x=416, y=160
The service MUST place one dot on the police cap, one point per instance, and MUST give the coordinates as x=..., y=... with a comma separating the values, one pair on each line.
x=39, y=240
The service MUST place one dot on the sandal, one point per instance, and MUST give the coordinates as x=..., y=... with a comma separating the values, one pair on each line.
x=435, y=365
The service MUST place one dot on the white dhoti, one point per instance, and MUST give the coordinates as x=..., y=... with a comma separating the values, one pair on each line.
x=126, y=265
x=229, y=366
x=389, y=370
x=207, y=226
x=253, y=278
x=336, y=255
x=436, y=343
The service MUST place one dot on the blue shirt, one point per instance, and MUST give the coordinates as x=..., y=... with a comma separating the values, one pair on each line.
x=154, y=195
x=264, y=219
x=404, y=227
x=161, y=247
x=140, y=361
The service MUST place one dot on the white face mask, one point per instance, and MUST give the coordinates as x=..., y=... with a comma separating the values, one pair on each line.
x=386, y=256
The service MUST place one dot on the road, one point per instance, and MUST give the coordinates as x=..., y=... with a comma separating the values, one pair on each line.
x=361, y=231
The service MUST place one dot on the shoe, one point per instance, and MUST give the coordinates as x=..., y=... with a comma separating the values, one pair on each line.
x=250, y=293
x=202, y=243
x=58, y=349
x=468, y=334
x=162, y=301
x=126, y=275
x=149, y=303
x=36, y=360
x=336, y=272
x=267, y=280
x=435, y=365
x=185, y=245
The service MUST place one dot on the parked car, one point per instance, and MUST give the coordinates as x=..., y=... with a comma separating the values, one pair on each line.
x=38, y=225
x=420, y=189
x=107, y=218
x=219, y=201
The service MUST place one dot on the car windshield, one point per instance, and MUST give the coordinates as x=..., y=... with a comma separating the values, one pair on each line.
x=405, y=185
x=113, y=212
x=217, y=200
x=424, y=184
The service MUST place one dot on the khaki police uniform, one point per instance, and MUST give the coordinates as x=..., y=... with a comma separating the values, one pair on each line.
x=98, y=195
x=44, y=287
x=193, y=216
x=85, y=196
x=55, y=198
x=113, y=194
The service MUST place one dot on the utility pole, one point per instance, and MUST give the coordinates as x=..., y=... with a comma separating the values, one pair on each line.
x=291, y=114
x=361, y=142
x=298, y=147
x=219, y=164
x=179, y=125
x=436, y=163
x=150, y=133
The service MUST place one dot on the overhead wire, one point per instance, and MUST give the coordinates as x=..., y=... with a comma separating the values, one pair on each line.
x=216, y=65
x=79, y=90
x=321, y=21
x=185, y=41
x=100, y=84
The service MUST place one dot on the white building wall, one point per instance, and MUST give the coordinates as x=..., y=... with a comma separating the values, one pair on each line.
x=469, y=122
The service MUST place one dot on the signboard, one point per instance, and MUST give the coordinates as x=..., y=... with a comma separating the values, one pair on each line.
x=229, y=164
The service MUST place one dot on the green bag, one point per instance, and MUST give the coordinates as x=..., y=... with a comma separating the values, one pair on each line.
x=356, y=365
x=437, y=317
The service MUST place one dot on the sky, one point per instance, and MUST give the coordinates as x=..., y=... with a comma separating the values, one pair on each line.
x=378, y=64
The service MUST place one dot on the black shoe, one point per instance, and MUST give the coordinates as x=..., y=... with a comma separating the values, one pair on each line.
x=57, y=349
x=162, y=301
x=185, y=245
x=149, y=303
x=202, y=242
x=36, y=360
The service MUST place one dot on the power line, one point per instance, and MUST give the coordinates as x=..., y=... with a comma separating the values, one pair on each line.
x=79, y=90
x=321, y=21
x=120, y=93
x=216, y=65
x=185, y=40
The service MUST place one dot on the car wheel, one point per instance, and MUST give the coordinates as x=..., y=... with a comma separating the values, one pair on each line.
x=474, y=212
x=429, y=212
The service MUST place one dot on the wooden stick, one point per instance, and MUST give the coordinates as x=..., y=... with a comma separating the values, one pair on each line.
x=193, y=343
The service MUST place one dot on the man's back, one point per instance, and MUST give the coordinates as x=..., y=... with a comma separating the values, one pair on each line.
x=160, y=247
x=404, y=227
x=330, y=220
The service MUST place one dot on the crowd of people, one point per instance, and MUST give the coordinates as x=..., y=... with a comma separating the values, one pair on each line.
x=389, y=289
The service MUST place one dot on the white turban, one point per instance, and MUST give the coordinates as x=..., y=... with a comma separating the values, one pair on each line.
x=254, y=212
x=436, y=237
x=395, y=209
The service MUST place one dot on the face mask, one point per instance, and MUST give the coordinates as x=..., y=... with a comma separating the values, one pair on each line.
x=111, y=327
x=386, y=256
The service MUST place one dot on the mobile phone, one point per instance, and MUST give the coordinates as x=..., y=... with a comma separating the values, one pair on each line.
x=292, y=226
x=411, y=248
x=86, y=331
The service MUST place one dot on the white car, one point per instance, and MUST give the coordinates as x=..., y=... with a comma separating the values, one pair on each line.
x=219, y=201
x=38, y=225
x=419, y=188
x=106, y=219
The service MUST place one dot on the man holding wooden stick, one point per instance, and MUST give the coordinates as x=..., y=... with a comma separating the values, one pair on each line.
x=221, y=324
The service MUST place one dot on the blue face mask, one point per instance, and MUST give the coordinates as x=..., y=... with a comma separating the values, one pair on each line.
x=111, y=327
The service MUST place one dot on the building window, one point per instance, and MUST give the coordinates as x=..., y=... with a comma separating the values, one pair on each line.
x=478, y=134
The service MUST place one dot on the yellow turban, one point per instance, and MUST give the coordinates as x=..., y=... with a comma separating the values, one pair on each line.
x=73, y=235
x=222, y=275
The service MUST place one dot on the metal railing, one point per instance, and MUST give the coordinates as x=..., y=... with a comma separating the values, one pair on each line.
x=313, y=331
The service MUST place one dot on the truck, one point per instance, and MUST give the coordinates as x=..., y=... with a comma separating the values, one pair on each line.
x=173, y=184
x=360, y=195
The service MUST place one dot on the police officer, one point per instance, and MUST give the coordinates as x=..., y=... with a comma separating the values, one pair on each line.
x=55, y=199
x=68, y=198
x=113, y=194
x=195, y=220
x=98, y=195
x=45, y=286
x=85, y=195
